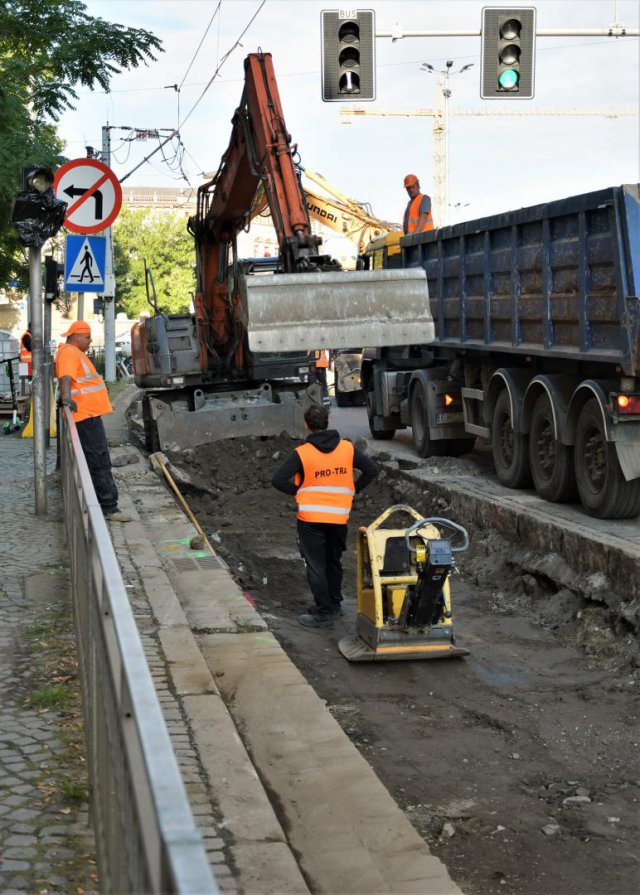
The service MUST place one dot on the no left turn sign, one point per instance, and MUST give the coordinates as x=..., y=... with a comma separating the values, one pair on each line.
x=93, y=193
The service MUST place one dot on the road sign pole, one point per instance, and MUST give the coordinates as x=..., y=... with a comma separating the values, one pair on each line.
x=109, y=300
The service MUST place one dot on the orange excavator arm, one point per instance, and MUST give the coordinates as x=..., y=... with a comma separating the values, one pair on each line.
x=259, y=152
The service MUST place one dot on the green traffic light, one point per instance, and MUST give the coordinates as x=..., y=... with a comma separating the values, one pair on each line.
x=508, y=79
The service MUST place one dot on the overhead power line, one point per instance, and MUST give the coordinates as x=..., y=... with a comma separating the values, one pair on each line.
x=200, y=44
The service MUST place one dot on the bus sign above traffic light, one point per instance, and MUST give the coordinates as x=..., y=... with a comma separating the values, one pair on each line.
x=508, y=52
x=348, y=55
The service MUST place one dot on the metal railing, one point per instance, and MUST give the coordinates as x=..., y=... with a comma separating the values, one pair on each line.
x=146, y=838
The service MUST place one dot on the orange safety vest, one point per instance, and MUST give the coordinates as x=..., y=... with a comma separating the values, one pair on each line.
x=327, y=487
x=87, y=386
x=321, y=358
x=25, y=356
x=413, y=216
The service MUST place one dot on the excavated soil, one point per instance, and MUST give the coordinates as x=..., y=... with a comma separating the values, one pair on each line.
x=518, y=764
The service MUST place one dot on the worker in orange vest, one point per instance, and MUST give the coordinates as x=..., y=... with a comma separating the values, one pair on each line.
x=417, y=215
x=83, y=390
x=320, y=474
x=26, y=355
x=319, y=374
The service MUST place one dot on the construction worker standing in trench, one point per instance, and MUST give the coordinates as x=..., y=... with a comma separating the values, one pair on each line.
x=83, y=390
x=417, y=215
x=320, y=473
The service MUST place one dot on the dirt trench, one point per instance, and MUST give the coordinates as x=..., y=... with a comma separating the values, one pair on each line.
x=519, y=764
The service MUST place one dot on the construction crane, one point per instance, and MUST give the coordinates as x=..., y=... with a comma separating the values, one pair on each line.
x=440, y=133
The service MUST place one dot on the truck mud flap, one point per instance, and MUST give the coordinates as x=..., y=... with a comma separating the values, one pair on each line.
x=337, y=309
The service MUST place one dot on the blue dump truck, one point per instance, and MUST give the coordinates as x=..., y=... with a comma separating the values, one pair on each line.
x=537, y=347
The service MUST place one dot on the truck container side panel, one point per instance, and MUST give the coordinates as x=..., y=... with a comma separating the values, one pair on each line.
x=631, y=218
x=552, y=280
x=584, y=284
x=547, y=286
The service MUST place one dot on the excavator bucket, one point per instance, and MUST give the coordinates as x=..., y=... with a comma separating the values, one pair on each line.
x=337, y=309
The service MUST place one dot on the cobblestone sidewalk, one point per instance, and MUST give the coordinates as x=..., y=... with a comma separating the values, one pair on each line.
x=46, y=844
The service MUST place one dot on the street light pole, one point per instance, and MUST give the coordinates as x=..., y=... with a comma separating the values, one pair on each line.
x=441, y=174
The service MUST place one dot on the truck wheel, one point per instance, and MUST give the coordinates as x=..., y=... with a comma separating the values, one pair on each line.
x=551, y=462
x=510, y=448
x=458, y=447
x=342, y=399
x=151, y=440
x=376, y=433
x=603, y=489
x=424, y=445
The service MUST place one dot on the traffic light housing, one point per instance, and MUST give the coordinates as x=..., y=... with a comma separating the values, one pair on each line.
x=53, y=270
x=508, y=52
x=348, y=55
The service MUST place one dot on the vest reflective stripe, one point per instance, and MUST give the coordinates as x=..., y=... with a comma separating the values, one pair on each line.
x=413, y=216
x=317, y=500
x=87, y=386
x=318, y=508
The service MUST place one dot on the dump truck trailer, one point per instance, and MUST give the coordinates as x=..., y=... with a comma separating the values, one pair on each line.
x=537, y=345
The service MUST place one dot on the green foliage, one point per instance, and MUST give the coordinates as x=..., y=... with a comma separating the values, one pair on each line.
x=166, y=246
x=47, y=48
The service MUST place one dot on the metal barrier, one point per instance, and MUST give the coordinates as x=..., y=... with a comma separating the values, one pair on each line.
x=146, y=838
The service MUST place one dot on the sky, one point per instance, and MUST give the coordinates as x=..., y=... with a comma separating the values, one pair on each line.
x=496, y=162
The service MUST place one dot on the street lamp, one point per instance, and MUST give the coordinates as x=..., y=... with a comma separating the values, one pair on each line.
x=444, y=94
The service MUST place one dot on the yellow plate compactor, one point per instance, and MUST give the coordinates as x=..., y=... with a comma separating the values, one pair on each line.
x=404, y=601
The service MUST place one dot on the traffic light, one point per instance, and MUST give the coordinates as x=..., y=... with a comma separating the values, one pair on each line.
x=508, y=52
x=348, y=55
x=36, y=177
x=52, y=272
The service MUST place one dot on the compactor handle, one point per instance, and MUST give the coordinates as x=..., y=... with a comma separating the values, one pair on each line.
x=445, y=523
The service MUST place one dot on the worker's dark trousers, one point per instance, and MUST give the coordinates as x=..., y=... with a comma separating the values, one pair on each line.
x=321, y=546
x=93, y=439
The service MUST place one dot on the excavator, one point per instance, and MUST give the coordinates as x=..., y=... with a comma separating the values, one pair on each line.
x=238, y=365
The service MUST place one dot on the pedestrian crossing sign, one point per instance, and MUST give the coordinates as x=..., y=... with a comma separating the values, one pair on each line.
x=84, y=265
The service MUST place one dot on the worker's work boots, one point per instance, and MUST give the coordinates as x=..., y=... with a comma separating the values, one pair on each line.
x=118, y=516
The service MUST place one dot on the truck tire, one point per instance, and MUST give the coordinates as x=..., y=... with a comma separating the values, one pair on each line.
x=458, y=447
x=377, y=434
x=603, y=489
x=510, y=448
x=424, y=445
x=342, y=398
x=552, y=467
x=151, y=439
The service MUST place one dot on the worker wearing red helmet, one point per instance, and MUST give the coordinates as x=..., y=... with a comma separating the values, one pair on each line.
x=417, y=216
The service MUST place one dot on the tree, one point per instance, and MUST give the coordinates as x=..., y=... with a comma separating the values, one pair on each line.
x=46, y=50
x=167, y=248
